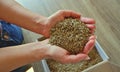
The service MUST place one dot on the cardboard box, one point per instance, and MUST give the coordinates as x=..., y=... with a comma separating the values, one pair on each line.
x=103, y=66
x=100, y=51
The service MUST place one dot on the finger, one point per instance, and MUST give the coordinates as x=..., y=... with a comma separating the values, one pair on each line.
x=92, y=31
x=70, y=13
x=75, y=58
x=90, y=44
x=91, y=27
x=87, y=20
x=93, y=37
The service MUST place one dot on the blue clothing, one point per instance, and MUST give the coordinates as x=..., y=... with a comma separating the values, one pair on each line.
x=10, y=34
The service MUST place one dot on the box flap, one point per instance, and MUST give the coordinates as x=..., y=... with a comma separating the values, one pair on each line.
x=106, y=66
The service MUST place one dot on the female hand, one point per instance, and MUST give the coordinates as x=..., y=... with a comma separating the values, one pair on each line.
x=61, y=15
x=60, y=54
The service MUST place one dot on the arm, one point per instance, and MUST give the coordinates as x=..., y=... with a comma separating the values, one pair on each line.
x=13, y=12
x=16, y=56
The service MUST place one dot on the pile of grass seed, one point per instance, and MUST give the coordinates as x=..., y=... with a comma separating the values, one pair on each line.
x=70, y=34
x=55, y=66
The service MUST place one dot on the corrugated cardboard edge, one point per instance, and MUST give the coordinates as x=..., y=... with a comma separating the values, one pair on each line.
x=45, y=66
x=38, y=66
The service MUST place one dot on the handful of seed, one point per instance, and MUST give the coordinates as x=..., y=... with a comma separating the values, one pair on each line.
x=70, y=34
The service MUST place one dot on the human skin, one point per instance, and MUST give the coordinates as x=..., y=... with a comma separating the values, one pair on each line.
x=16, y=56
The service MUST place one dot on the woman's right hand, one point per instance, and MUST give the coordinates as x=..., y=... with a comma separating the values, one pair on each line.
x=61, y=55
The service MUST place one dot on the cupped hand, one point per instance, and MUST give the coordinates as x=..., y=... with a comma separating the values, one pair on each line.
x=61, y=15
x=57, y=17
x=60, y=54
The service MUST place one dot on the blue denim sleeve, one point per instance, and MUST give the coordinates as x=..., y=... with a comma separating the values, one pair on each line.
x=10, y=34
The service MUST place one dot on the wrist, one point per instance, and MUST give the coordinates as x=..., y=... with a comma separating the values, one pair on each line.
x=40, y=23
x=39, y=51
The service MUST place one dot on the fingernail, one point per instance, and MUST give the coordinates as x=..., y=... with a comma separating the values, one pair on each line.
x=87, y=58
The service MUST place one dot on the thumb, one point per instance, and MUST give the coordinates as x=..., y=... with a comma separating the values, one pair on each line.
x=76, y=58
